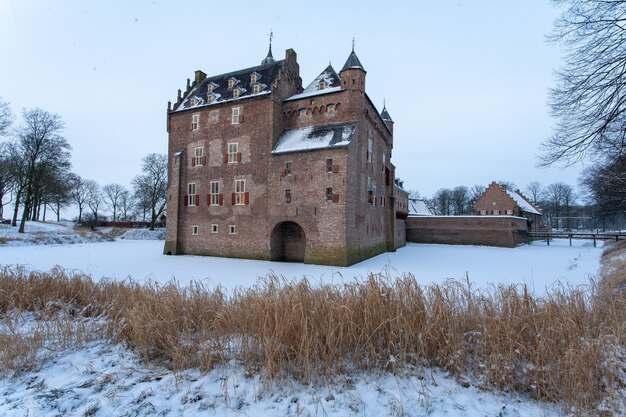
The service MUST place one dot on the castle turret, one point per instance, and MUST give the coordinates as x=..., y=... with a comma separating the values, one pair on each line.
x=386, y=118
x=353, y=74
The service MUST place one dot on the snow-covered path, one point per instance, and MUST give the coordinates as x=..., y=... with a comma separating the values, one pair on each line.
x=537, y=265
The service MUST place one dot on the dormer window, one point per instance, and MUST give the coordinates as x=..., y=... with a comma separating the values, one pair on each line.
x=236, y=92
x=321, y=85
x=256, y=89
x=232, y=82
x=254, y=77
x=193, y=102
x=210, y=98
x=211, y=87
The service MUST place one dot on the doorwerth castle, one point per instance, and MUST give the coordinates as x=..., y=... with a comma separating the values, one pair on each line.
x=261, y=168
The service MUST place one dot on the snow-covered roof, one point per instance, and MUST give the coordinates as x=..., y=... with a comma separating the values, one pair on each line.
x=331, y=80
x=315, y=137
x=418, y=208
x=221, y=93
x=522, y=203
x=353, y=62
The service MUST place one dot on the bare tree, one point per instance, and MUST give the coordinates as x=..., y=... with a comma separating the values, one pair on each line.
x=39, y=144
x=461, y=201
x=7, y=177
x=94, y=200
x=442, y=202
x=151, y=186
x=126, y=205
x=535, y=191
x=111, y=195
x=589, y=99
x=606, y=188
x=6, y=117
x=80, y=194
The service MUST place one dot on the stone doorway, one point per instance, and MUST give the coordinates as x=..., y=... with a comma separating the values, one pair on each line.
x=288, y=242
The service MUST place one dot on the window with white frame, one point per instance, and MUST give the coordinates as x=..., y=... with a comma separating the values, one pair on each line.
x=198, y=156
x=483, y=212
x=496, y=212
x=370, y=146
x=235, y=115
x=509, y=212
x=231, y=229
x=233, y=150
x=195, y=122
x=191, y=194
x=214, y=228
x=214, y=195
x=194, y=230
x=240, y=192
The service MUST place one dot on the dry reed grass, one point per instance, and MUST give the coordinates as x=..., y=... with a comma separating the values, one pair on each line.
x=563, y=347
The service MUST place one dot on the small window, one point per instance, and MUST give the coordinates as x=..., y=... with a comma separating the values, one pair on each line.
x=194, y=230
x=214, y=228
x=240, y=192
x=210, y=87
x=214, y=117
x=384, y=162
x=236, y=113
x=198, y=156
x=509, y=212
x=231, y=83
x=330, y=109
x=302, y=114
x=321, y=85
x=236, y=92
x=210, y=98
x=231, y=229
x=287, y=196
x=193, y=102
x=288, y=168
x=329, y=164
x=370, y=146
x=329, y=194
x=233, y=151
x=496, y=212
x=254, y=77
x=483, y=212
x=195, y=121
x=256, y=89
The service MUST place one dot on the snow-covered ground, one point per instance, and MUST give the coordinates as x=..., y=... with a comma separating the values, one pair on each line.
x=537, y=265
x=103, y=379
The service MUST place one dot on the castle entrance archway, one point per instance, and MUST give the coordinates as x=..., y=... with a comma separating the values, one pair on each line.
x=288, y=242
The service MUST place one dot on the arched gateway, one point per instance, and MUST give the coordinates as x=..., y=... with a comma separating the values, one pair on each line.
x=288, y=242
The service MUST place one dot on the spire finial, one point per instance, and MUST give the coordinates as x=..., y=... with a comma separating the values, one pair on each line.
x=271, y=35
x=269, y=59
x=384, y=103
x=353, y=44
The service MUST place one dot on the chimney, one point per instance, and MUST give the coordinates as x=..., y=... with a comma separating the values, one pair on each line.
x=200, y=76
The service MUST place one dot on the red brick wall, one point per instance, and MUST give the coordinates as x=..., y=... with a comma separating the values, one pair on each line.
x=504, y=231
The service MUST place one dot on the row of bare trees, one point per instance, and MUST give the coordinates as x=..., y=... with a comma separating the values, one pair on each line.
x=36, y=176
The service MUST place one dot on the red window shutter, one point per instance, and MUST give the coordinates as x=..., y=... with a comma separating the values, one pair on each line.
x=335, y=198
x=233, y=198
x=204, y=160
x=225, y=158
x=335, y=169
x=197, y=199
x=246, y=198
x=241, y=118
x=193, y=161
x=186, y=200
x=208, y=199
x=238, y=156
x=220, y=199
x=283, y=172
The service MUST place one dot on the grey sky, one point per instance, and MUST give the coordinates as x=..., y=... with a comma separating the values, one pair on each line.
x=465, y=81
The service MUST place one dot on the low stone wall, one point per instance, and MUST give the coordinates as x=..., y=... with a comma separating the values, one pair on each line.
x=503, y=231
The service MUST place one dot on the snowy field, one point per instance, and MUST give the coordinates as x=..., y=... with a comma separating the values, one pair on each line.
x=537, y=265
x=103, y=379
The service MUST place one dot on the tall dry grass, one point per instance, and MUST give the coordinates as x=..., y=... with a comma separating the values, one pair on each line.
x=567, y=346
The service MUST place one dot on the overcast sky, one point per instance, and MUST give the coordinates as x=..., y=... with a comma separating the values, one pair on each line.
x=466, y=82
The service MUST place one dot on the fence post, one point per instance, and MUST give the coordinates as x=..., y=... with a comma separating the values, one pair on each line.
x=594, y=240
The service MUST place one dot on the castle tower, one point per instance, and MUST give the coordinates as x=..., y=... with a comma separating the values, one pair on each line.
x=353, y=74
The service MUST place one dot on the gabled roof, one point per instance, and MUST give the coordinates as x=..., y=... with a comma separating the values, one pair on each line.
x=315, y=137
x=353, y=62
x=418, y=208
x=328, y=76
x=385, y=115
x=524, y=205
x=267, y=74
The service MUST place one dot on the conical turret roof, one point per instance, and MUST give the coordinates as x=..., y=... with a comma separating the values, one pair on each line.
x=353, y=62
x=385, y=115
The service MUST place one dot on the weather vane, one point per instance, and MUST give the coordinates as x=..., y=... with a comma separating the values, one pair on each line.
x=271, y=35
x=353, y=44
